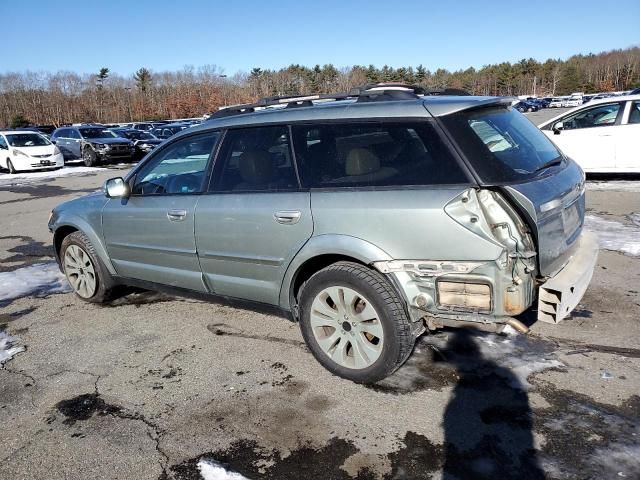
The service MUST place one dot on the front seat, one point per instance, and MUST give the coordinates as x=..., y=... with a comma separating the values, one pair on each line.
x=256, y=170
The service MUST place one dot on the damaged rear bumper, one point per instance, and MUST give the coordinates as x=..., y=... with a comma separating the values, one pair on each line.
x=560, y=294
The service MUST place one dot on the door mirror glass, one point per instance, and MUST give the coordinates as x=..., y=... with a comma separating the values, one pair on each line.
x=116, y=188
x=558, y=127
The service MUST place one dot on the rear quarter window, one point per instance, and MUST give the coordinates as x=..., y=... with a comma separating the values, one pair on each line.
x=501, y=144
x=363, y=154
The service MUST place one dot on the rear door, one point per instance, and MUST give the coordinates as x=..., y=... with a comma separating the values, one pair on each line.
x=628, y=140
x=150, y=235
x=254, y=218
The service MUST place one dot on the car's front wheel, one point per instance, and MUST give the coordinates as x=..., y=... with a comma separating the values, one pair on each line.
x=354, y=323
x=83, y=269
x=10, y=167
x=89, y=157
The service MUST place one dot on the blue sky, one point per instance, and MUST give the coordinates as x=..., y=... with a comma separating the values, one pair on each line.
x=124, y=35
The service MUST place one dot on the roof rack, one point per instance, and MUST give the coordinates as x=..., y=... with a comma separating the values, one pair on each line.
x=373, y=92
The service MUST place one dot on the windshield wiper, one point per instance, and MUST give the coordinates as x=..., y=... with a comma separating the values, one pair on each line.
x=550, y=163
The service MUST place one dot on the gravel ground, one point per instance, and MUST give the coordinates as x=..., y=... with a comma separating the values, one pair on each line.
x=155, y=387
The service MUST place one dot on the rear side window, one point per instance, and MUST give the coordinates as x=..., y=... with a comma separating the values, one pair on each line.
x=255, y=160
x=362, y=154
x=501, y=144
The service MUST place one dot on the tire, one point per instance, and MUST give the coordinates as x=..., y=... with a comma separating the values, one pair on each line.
x=363, y=336
x=89, y=157
x=82, y=267
x=11, y=168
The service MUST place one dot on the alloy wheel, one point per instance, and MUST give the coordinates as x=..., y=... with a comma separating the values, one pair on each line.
x=80, y=271
x=347, y=327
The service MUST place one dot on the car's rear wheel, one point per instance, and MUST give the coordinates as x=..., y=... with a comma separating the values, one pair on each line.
x=10, y=167
x=89, y=157
x=354, y=323
x=84, y=271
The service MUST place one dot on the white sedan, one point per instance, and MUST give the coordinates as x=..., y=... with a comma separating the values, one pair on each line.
x=603, y=136
x=26, y=150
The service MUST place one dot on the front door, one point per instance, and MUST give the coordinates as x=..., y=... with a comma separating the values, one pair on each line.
x=150, y=235
x=255, y=218
x=588, y=137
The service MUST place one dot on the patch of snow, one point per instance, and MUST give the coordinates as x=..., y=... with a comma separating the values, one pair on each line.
x=8, y=348
x=517, y=354
x=618, y=459
x=22, y=178
x=614, y=235
x=37, y=279
x=619, y=186
x=211, y=470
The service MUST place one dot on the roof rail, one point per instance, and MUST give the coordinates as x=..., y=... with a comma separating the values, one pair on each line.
x=373, y=92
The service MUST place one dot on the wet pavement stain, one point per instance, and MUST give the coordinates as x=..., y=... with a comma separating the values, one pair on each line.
x=42, y=190
x=7, y=318
x=246, y=457
x=139, y=298
x=222, y=329
x=587, y=439
x=83, y=407
x=28, y=252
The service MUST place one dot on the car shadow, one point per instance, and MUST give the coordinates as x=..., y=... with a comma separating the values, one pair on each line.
x=488, y=421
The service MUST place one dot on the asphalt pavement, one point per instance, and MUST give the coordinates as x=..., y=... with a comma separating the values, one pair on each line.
x=157, y=387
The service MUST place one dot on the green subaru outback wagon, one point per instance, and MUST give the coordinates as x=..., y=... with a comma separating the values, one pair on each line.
x=367, y=217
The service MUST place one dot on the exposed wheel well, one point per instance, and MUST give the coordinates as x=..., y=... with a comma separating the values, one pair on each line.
x=311, y=266
x=60, y=235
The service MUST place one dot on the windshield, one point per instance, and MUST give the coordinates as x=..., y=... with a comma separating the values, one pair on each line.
x=501, y=144
x=139, y=135
x=96, y=133
x=27, y=140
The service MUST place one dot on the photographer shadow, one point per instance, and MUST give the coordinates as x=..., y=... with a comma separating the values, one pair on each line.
x=488, y=422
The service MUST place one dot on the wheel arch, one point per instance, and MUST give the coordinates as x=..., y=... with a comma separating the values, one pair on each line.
x=64, y=229
x=320, y=252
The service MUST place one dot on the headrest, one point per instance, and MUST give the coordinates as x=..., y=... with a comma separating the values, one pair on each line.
x=361, y=161
x=255, y=167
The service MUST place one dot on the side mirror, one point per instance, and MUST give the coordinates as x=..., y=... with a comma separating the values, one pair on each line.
x=4, y=147
x=116, y=188
x=558, y=127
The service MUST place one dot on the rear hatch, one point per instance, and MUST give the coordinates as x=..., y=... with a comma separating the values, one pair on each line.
x=506, y=151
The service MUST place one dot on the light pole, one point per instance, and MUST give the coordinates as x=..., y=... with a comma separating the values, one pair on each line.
x=128, y=89
x=224, y=88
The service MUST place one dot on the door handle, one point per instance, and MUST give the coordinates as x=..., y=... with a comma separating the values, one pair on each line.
x=176, y=215
x=287, y=217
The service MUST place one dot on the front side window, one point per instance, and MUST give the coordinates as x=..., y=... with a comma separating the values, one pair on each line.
x=255, y=160
x=501, y=144
x=179, y=168
x=27, y=140
x=600, y=116
x=359, y=154
x=72, y=133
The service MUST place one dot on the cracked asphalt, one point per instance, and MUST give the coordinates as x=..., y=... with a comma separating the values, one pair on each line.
x=150, y=385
